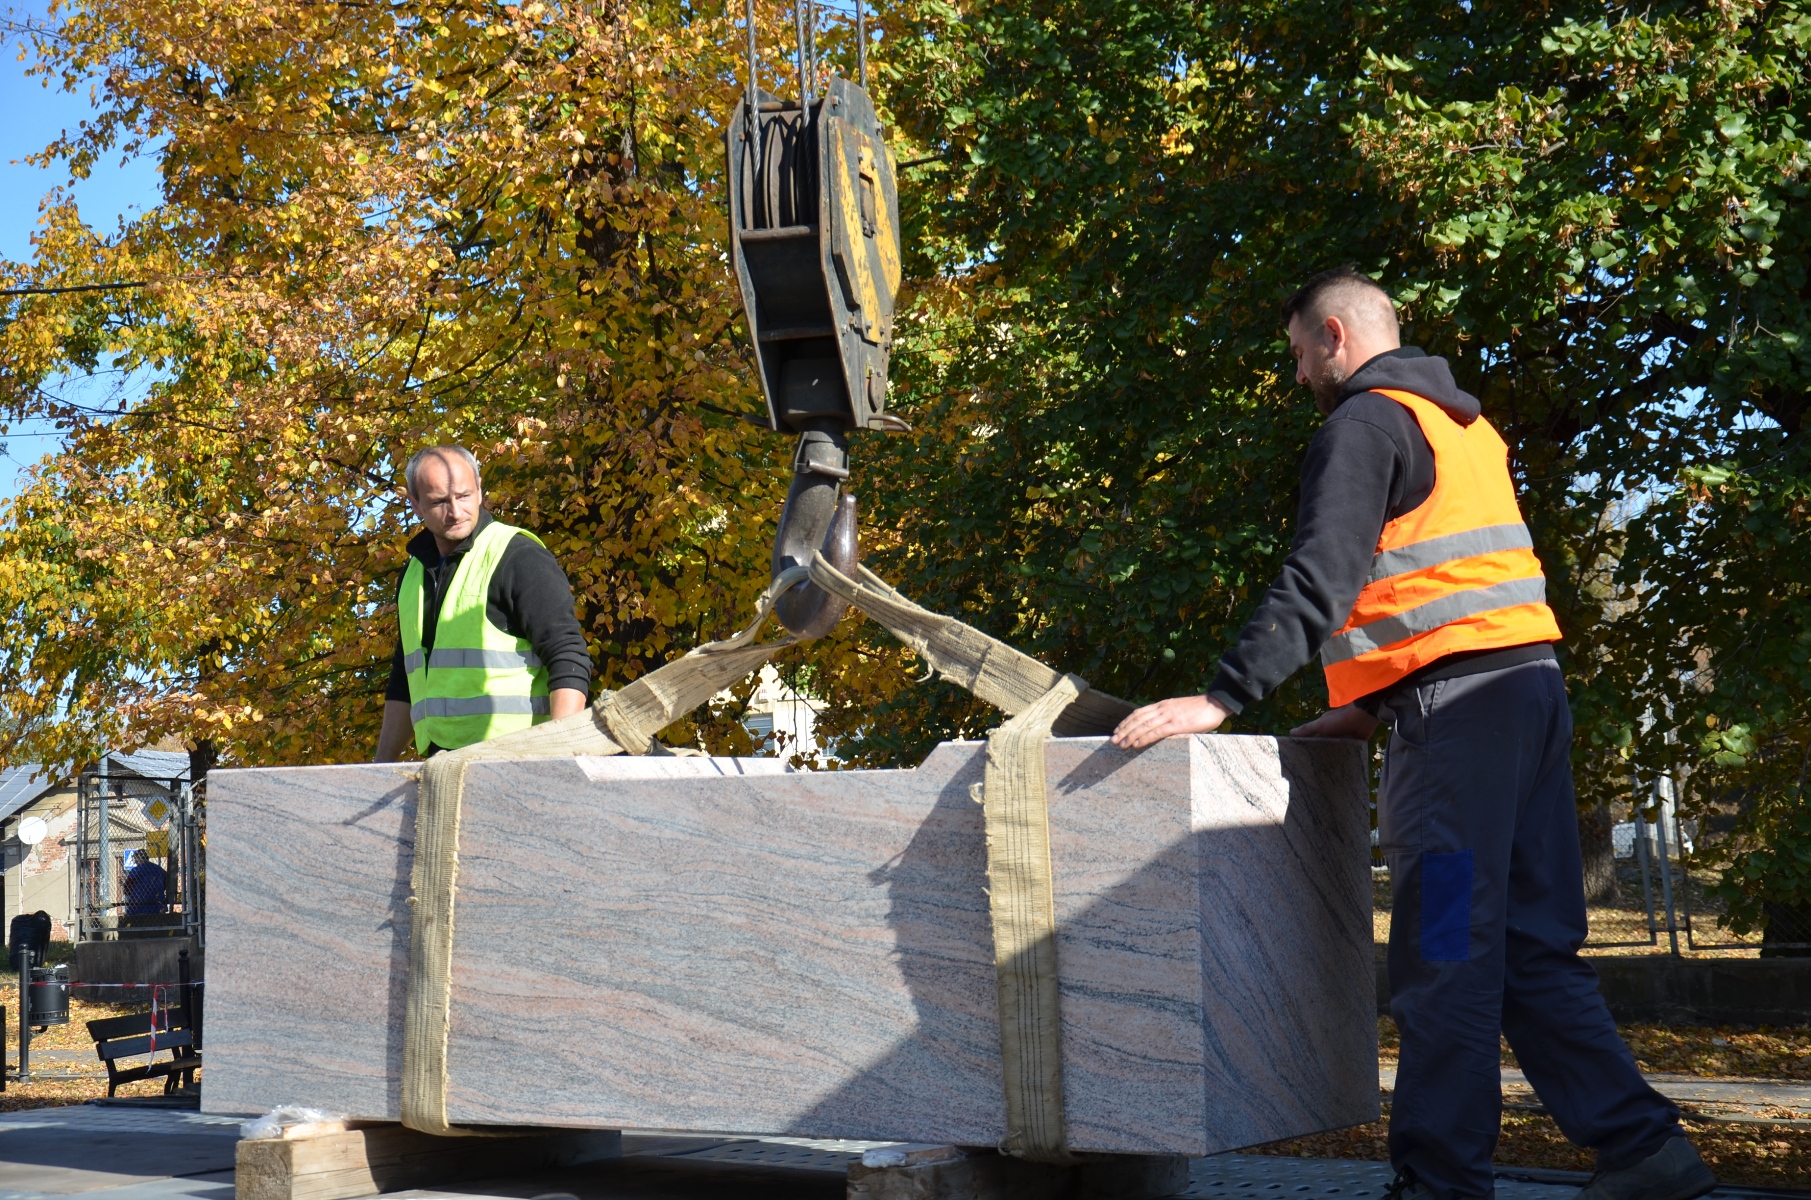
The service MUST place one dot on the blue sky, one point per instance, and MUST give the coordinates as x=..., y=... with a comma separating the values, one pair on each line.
x=31, y=116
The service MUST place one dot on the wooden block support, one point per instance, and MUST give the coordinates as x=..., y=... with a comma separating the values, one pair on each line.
x=962, y=1173
x=333, y=1162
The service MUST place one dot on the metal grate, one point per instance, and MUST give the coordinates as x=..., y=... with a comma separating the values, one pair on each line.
x=1255, y=1176
x=138, y=858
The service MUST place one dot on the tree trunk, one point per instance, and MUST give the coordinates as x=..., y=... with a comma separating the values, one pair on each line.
x=202, y=756
x=1599, y=854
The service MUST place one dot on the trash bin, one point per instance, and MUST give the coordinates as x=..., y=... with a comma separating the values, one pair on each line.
x=49, y=996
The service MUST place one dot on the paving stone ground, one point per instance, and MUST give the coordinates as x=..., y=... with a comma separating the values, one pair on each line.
x=114, y=1153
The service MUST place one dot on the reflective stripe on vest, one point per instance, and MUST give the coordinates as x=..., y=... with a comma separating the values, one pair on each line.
x=478, y=682
x=1426, y=618
x=443, y=706
x=1435, y=551
x=440, y=659
x=1457, y=573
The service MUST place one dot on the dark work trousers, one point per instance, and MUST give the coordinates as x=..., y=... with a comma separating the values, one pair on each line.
x=1477, y=820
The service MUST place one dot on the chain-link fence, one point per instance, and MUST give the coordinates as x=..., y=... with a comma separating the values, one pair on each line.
x=1660, y=895
x=1667, y=897
x=138, y=858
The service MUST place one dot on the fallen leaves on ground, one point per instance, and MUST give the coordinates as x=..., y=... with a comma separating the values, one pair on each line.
x=55, y=1093
x=1710, y=1051
x=72, y=1036
x=1750, y=1155
x=1621, y=928
x=1755, y=1155
x=1763, y=1053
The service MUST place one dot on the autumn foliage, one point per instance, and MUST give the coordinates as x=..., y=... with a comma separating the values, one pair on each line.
x=384, y=226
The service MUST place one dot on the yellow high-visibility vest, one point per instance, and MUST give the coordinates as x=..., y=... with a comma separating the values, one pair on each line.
x=478, y=682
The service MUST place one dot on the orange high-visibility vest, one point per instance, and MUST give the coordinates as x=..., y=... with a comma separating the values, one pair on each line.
x=1457, y=573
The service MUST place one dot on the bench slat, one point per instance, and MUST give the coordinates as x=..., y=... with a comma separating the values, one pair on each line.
x=108, y=1028
x=132, y=1046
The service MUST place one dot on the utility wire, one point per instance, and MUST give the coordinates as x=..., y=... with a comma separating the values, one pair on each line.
x=79, y=287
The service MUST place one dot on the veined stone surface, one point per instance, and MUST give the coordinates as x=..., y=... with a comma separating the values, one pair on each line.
x=718, y=945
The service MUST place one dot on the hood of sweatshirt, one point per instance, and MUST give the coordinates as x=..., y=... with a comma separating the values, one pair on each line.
x=1412, y=370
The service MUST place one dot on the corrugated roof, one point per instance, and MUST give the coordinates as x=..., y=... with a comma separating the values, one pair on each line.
x=152, y=764
x=20, y=786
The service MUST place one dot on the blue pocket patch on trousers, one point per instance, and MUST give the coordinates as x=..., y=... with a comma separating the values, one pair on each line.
x=1446, y=907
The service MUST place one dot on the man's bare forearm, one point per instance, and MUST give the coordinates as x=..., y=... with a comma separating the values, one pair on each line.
x=397, y=732
x=563, y=702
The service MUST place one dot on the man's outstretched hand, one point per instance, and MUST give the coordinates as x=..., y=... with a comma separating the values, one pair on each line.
x=1348, y=722
x=1167, y=718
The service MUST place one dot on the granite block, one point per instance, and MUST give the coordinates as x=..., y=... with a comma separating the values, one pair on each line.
x=719, y=945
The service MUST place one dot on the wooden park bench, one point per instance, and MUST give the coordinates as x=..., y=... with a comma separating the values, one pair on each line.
x=130, y=1037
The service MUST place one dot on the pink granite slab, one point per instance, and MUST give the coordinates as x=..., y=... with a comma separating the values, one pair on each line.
x=652, y=945
x=308, y=937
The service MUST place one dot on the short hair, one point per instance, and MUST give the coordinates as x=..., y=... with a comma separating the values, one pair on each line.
x=1344, y=291
x=441, y=452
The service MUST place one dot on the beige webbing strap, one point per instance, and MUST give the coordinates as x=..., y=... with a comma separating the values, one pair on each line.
x=616, y=723
x=1009, y=680
x=1021, y=891
x=1021, y=895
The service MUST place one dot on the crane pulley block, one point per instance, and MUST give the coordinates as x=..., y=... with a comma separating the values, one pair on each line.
x=814, y=233
x=814, y=236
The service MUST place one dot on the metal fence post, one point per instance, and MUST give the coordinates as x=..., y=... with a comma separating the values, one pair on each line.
x=25, y=960
x=1666, y=866
x=104, y=835
x=83, y=785
x=191, y=848
x=1685, y=875
x=1644, y=855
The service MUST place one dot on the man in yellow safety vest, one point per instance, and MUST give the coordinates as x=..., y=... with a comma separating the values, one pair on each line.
x=490, y=643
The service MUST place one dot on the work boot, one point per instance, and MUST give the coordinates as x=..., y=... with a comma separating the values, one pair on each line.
x=1406, y=1187
x=1673, y=1172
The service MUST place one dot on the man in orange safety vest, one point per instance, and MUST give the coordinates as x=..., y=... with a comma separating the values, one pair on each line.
x=1415, y=580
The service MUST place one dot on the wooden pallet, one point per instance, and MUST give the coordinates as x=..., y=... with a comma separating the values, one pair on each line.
x=338, y=1160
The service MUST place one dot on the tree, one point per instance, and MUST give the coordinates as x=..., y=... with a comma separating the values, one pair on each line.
x=1634, y=211
x=383, y=226
x=1594, y=211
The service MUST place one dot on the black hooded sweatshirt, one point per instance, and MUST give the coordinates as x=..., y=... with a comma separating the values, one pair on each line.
x=1368, y=465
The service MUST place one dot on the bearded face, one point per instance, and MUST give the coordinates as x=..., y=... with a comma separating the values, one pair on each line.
x=1317, y=363
x=1324, y=379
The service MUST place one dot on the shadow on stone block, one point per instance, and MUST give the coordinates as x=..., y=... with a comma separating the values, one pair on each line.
x=1263, y=1029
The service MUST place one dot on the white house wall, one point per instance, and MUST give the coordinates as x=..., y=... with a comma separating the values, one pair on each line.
x=41, y=882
